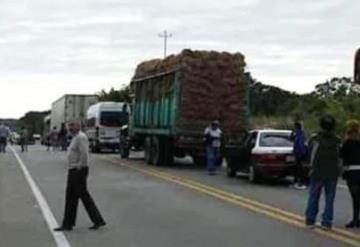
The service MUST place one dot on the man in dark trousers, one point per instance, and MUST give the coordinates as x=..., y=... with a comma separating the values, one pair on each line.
x=325, y=170
x=76, y=182
x=62, y=137
x=300, y=153
x=213, y=144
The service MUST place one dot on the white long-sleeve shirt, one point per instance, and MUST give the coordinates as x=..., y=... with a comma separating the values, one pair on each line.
x=78, y=155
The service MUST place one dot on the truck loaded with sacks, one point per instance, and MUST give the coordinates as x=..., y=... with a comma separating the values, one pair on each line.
x=176, y=98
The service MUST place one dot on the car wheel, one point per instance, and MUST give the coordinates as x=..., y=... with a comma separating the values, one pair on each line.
x=254, y=175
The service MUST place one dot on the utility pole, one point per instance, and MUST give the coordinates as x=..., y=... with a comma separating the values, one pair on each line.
x=165, y=35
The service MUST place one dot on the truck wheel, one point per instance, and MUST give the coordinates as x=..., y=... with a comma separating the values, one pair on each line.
x=148, y=151
x=158, y=157
x=168, y=150
x=254, y=175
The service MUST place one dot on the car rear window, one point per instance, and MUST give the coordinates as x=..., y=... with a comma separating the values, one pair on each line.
x=275, y=140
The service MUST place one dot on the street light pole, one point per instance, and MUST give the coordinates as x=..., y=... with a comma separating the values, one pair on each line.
x=165, y=35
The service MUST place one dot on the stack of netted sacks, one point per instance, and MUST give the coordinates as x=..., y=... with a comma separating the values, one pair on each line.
x=213, y=86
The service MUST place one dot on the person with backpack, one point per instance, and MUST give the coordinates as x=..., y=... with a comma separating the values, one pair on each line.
x=300, y=154
x=350, y=153
x=325, y=170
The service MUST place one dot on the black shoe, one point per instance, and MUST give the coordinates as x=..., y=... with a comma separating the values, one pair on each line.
x=353, y=224
x=63, y=229
x=97, y=226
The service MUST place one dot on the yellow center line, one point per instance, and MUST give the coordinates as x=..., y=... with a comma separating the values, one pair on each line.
x=250, y=204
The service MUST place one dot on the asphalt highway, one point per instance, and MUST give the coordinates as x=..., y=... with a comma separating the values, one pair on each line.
x=156, y=206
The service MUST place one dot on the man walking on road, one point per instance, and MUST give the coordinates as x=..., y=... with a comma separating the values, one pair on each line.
x=77, y=182
x=325, y=170
x=4, y=134
x=24, y=139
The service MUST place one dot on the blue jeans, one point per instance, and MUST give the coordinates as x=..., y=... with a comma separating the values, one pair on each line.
x=212, y=155
x=313, y=202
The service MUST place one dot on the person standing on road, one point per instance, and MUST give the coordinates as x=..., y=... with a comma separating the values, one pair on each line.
x=24, y=138
x=48, y=141
x=4, y=134
x=62, y=137
x=213, y=143
x=76, y=188
x=350, y=153
x=54, y=138
x=325, y=170
x=300, y=153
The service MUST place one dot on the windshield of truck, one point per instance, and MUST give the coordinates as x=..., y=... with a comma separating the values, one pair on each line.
x=113, y=119
x=275, y=140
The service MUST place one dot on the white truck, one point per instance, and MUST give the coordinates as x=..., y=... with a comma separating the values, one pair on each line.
x=103, y=123
x=70, y=107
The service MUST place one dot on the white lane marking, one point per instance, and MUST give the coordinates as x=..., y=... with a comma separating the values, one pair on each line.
x=59, y=237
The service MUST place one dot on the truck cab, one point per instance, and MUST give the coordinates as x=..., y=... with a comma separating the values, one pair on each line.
x=103, y=124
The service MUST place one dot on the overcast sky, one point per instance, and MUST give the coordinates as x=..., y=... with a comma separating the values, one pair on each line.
x=50, y=48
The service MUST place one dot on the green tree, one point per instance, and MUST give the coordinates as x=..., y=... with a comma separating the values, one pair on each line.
x=121, y=95
x=33, y=121
x=337, y=87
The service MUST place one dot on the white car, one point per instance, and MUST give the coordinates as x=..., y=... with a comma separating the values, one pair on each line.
x=265, y=153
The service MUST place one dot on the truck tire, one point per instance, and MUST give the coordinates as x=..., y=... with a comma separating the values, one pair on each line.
x=168, y=150
x=158, y=154
x=148, y=151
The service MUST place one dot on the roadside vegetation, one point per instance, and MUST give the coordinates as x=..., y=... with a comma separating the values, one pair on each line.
x=270, y=107
x=273, y=107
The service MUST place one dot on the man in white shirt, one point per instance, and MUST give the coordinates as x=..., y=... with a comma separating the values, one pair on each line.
x=76, y=189
x=213, y=144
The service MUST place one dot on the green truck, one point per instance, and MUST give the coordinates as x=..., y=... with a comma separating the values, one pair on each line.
x=175, y=99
